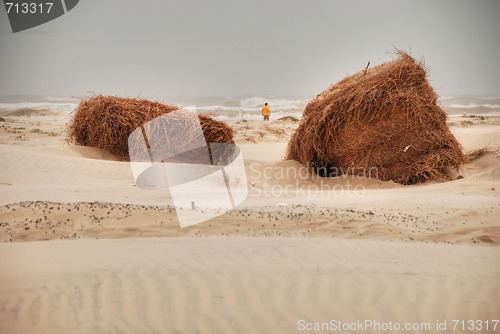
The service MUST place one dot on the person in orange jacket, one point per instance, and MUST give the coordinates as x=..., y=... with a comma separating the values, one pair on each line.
x=266, y=112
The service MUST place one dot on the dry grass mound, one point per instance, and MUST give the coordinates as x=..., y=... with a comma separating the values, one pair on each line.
x=288, y=118
x=384, y=120
x=106, y=122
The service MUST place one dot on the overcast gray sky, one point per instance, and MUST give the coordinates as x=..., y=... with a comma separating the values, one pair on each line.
x=228, y=48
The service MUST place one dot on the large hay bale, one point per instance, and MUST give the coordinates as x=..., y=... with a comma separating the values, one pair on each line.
x=385, y=120
x=107, y=121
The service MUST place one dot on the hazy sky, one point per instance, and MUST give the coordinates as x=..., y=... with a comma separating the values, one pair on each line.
x=228, y=48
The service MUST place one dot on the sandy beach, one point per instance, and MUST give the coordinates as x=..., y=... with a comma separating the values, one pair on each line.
x=379, y=251
x=240, y=284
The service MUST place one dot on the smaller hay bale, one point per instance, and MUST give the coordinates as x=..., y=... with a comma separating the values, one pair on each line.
x=106, y=122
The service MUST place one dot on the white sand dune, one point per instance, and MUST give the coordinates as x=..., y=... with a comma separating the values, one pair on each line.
x=43, y=169
x=383, y=256
x=239, y=285
x=473, y=138
x=28, y=173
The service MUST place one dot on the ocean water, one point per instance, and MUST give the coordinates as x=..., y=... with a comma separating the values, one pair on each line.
x=225, y=108
x=37, y=106
x=471, y=105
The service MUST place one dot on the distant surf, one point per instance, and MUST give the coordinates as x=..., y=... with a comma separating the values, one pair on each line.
x=471, y=105
x=232, y=108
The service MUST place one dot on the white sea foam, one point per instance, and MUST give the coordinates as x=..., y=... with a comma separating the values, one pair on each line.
x=248, y=108
x=258, y=116
x=56, y=107
x=61, y=99
x=474, y=105
x=280, y=104
x=225, y=108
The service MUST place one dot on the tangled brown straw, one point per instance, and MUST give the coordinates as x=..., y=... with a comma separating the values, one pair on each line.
x=106, y=122
x=384, y=119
